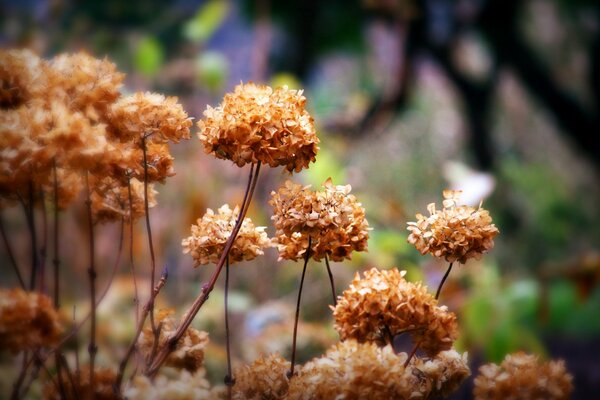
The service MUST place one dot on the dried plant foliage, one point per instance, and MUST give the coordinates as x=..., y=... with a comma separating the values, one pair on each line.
x=455, y=233
x=28, y=321
x=111, y=201
x=333, y=219
x=383, y=304
x=211, y=232
x=170, y=384
x=23, y=76
x=189, y=352
x=79, y=387
x=263, y=379
x=352, y=370
x=522, y=376
x=258, y=123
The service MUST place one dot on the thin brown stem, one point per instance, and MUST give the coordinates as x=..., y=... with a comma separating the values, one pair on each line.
x=92, y=349
x=136, y=299
x=208, y=287
x=11, y=255
x=44, y=244
x=30, y=217
x=331, y=280
x=412, y=354
x=229, y=379
x=56, y=256
x=21, y=378
x=306, y=258
x=439, y=289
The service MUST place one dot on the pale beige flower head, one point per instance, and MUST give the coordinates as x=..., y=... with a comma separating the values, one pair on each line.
x=353, y=370
x=23, y=76
x=258, y=123
x=170, y=384
x=455, y=233
x=522, y=377
x=28, y=320
x=111, y=200
x=383, y=304
x=263, y=379
x=128, y=162
x=211, y=232
x=149, y=115
x=333, y=219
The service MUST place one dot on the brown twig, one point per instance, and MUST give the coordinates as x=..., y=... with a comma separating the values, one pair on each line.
x=136, y=299
x=331, y=280
x=229, y=379
x=56, y=257
x=44, y=244
x=11, y=255
x=439, y=289
x=92, y=349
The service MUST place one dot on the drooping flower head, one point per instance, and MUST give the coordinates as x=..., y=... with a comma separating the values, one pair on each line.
x=258, y=123
x=383, y=304
x=455, y=233
x=211, y=232
x=522, y=376
x=333, y=219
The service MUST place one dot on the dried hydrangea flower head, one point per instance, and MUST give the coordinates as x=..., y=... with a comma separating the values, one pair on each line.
x=383, y=304
x=189, y=353
x=455, y=233
x=104, y=379
x=23, y=76
x=170, y=384
x=522, y=376
x=128, y=162
x=333, y=219
x=149, y=115
x=211, y=232
x=110, y=200
x=263, y=379
x=352, y=370
x=258, y=123
x=28, y=320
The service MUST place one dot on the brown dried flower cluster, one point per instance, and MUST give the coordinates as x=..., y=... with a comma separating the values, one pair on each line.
x=333, y=219
x=258, y=123
x=211, y=232
x=352, y=370
x=189, y=353
x=172, y=385
x=22, y=77
x=263, y=379
x=383, y=304
x=455, y=233
x=523, y=377
x=104, y=380
x=111, y=201
x=27, y=321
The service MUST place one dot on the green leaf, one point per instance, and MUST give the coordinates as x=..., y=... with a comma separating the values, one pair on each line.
x=211, y=70
x=206, y=21
x=149, y=56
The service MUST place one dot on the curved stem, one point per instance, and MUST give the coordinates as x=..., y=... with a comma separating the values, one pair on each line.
x=306, y=258
x=92, y=349
x=136, y=299
x=208, y=287
x=229, y=380
x=11, y=255
x=331, y=280
x=439, y=289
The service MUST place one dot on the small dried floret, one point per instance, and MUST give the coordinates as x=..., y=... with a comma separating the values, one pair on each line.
x=170, y=384
x=23, y=76
x=264, y=379
x=110, y=200
x=149, y=115
x=383, y=304
x=211, y=232
x=128, y=162
x=69, y=186
x=352, y=370
x=27, y=321
x=455, y=233
x=333, y=219
x=103, y=389
x=258, y=123
x=522, y=377
x=189, y=352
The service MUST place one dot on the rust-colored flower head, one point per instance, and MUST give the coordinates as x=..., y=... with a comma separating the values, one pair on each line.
x=522, y=377
x=80, y=388
x=455, y=233
x=353, y=370
x=211, y=232
x=23, y=76
x=69, y=186
x=383, y=304
x=149, y=115
x=27, y=321
x=333, y=219
x=110, y=200
x=189, y=353
x=263, y=379
x=258, y=123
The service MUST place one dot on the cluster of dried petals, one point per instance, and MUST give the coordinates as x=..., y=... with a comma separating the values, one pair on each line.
x=263, y=379
x=455, y=233
x=23, y=76
x=111, y=200
x=258, y=123
x=211, y=232
x=383, y=304
x=80, y=388
x=28, y=320
x=352, y=370
x=129, y=162
x=149, y=115
x=522, y=376
x=332, y=218
x=170, y=384
x=189, y=353
x=69, y=184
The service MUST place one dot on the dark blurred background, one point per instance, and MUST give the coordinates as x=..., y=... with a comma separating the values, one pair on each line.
x=498, y=98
